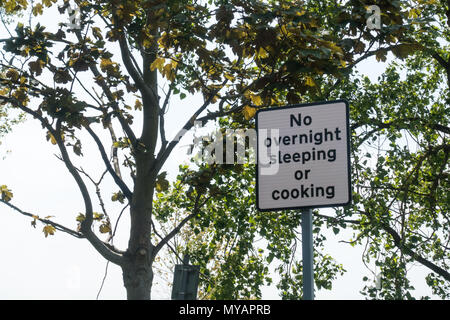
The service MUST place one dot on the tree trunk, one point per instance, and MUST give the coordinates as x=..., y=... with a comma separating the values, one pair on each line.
x=137, y=269
x=138, y=277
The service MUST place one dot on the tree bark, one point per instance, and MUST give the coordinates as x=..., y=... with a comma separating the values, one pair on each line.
x=138, y=276
x=137, y=268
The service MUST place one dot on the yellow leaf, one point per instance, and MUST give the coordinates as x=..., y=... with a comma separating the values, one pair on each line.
x=5, y=193
x=262, y=53
x=168, y=72
x=229, y=77
x=48, y=230
x=138, y=105
x=105, y=228
x=157, y=64
x=333, y=47
x=52, y=138
x=105, y=64
x=97, y=33
x=256, y=100
x=190, y=8
x=310, y=82
x=249, y=112
x=37, y=9
x=48, y=3
x=33, y=223
x=414, y=13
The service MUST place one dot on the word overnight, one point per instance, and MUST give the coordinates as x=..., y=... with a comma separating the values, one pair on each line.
x=316, y=138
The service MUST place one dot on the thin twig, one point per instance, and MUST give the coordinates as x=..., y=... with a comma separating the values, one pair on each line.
x=103, y=281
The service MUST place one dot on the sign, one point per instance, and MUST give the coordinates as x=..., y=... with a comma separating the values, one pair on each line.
x=303, y=158
x=185, y=282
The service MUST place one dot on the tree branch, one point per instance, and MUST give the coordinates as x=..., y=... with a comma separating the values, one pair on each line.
x=100, y=246
x=414, y=255
x=165, y=152
x=129, y=132
x=126, y=191
x=171, y=234
x=140, y=83
x=57, y=226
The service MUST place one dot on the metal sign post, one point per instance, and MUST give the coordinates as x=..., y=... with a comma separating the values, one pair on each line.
x=308, y=255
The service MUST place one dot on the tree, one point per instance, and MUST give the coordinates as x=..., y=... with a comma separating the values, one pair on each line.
x=239, y=55
x=231, y=241
x=400, y=130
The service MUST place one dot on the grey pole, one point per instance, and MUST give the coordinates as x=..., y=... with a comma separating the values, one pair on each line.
x=308, y=255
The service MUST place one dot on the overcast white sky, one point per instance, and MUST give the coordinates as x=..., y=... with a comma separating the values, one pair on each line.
x=62, y=267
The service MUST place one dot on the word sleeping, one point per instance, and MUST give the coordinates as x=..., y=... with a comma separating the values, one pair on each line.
x=304, y=157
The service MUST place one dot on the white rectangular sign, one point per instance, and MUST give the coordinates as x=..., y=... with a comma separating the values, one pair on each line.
x=303, y=156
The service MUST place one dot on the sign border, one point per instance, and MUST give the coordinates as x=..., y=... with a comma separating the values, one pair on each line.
x=347, y=120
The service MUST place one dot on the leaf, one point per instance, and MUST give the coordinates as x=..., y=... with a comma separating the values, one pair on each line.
x=168, y=72
x=381, y=55
x=97, y=33
x=77, y=148
x=105, y=228
x=51, y=137
x=310, y=82
x=118, y=196
x=262, y=53
x=6, y=194
x=33, y=223
x=62, y=76
x=12, y=74
x=229, y=77
x=106, y=65
x=333, y=47
x=404, y=50
x=249, y=112
x=161, y=183
x=138, y=105
x=48, y=3
x=37, y=9
x=81, y=217
x=256, y=100
x=157, y=64
x=48, y=230
x=98, y=216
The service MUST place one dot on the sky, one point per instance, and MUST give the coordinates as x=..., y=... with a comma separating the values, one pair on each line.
x=62, y=267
